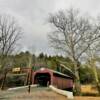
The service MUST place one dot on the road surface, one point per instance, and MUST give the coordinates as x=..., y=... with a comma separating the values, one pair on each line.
x=40, y=93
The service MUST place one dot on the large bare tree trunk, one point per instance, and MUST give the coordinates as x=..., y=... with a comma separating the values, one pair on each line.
x=77, y=79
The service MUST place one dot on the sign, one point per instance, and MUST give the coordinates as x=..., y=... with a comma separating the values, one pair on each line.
x=16, y=69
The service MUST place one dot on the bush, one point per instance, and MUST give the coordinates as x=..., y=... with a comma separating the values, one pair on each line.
x=13, y=81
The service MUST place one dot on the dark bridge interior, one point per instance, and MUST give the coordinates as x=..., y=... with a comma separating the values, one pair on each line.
x=42, y=79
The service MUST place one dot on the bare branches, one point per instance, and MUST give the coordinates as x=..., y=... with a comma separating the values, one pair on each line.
x=73, y=32
x=10, y=33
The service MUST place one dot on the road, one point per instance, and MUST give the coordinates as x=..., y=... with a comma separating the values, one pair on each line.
x=40, y=93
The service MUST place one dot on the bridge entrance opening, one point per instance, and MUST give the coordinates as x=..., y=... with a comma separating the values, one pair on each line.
x=42, y=79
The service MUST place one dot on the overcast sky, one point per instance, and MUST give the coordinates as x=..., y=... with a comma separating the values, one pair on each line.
x=32, y=16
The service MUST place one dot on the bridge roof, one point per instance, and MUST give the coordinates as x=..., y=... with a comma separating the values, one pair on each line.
x=53, y=71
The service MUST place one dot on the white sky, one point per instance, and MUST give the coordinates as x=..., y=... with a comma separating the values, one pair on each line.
x=32, y=16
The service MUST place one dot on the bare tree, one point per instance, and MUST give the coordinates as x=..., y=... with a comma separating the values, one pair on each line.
x=10, y=33
x=73, y=34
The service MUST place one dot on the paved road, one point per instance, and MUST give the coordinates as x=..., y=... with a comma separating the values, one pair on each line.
x=40, y=93
x=37, y=94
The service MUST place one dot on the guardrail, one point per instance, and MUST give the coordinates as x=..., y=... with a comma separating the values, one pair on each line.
x=68, y=94
x=21, y=87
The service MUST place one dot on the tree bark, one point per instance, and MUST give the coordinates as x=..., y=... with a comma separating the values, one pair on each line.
x=3, y=82
x=77, y=80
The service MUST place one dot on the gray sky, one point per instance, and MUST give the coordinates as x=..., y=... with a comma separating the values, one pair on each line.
x=32, y=16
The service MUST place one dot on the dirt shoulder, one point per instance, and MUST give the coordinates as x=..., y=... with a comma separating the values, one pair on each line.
x=86, y=98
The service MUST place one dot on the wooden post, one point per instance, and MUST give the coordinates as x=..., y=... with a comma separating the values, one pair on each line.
x=30, y=81
x=30, y=73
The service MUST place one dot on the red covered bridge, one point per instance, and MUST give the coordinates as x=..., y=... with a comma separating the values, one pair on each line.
x=45, y=77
